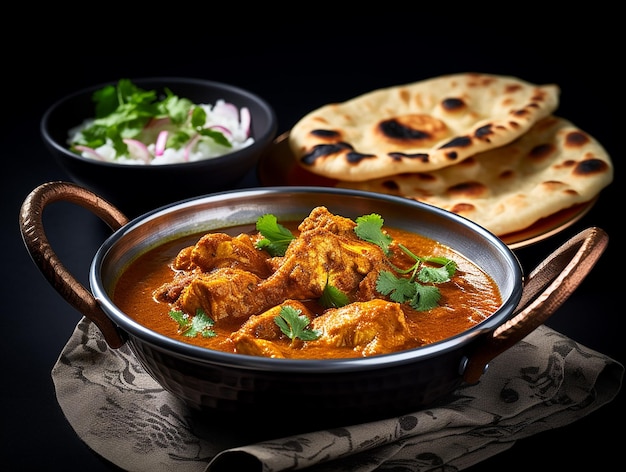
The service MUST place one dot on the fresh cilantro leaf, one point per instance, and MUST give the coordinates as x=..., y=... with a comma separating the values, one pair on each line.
x=177, y=139
x=399, y=289
x=435, y=275
x=426, y=297
x=216, y=136
x=294, y=324
x=406, y=289
x=276, y=237
x=106, y=101
x=369, y=228
x=198, y=117
x=332, y=297
x=448, y=264
x=178, y=110
x=191, y=326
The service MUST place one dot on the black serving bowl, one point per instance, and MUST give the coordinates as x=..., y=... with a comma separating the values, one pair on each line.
x=136, y=188
x=334, y=390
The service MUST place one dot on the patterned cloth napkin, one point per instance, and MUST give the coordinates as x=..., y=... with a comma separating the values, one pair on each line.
x=543, y=382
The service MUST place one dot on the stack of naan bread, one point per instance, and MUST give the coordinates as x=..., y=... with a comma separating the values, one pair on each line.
x=487, y=147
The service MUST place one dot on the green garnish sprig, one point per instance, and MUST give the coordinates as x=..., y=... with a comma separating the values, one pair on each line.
x=192, y=326
x=332, y=297
x=294, y=324
x=198, y=118
x=370, y=228
x=276, y=237
x=402, y=289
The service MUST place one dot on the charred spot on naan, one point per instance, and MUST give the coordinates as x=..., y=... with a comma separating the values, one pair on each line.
x=463, y=209
x=397, y=156
x=411, y=130
x=542, y=152
x=482, y=133
x=327, y=134
x=391, y=185
x=590, y=167
x=468, y=189
x=576, y=139
x=326, y=151
x=453, y=104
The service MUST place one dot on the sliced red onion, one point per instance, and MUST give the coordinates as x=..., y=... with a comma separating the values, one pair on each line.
x=92, y=153
x=158, y=123
x=189, y=147
x=159, y=147
x=138, y=150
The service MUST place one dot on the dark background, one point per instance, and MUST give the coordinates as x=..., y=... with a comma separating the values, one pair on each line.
x=297, y=62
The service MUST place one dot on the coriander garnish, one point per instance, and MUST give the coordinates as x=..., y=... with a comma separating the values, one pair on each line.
x=401, y=289
x=294, y=324
x=276, y=237
x=192, y=326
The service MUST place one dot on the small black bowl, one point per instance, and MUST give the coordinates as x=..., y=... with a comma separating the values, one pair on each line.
x=137, y=188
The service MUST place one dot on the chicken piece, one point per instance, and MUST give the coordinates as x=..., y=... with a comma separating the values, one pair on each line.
x=260, y=334
x=326, y=251
x=320, y=219
x=221, y=293
x=366, y=328
x=369, y=328
x=170, y=292
x=216, y=250
x=228, y=272
x=183, y=259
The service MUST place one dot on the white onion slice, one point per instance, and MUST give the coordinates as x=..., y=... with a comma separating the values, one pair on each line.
x=245, y=120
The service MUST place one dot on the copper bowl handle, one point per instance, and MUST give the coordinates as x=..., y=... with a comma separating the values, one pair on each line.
x=545, y=290
x=36, y=241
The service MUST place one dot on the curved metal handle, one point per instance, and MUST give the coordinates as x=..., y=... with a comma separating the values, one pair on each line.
x=36, y=241
x=545, y=290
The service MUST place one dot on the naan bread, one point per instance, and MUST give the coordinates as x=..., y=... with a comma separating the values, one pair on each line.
x=418, y=127
x=553, y=166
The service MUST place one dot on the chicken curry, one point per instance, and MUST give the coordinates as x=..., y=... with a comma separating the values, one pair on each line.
x=326, y=287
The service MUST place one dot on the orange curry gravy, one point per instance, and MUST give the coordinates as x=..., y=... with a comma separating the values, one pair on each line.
x=469, y=298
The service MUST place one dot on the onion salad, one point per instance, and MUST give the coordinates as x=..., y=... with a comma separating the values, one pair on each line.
x=136, y=126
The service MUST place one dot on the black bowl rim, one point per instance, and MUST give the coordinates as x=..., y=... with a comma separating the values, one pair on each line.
x=200, y=354
x=260, y=142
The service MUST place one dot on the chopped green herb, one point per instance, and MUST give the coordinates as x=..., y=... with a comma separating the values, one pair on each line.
x=402, y=289
x=436, y=275
x=332, y=297
x=426, y=297
x=294, y=324
x=399, y=289
x=192, y=326
x=369, y=228
x=276, y=237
